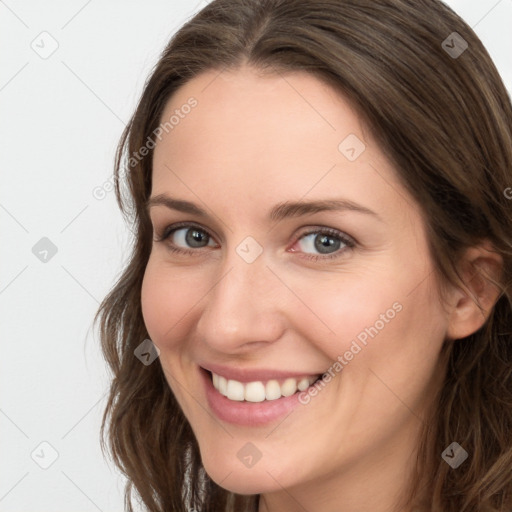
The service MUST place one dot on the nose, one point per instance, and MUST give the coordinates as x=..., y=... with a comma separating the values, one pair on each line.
x=244, y=308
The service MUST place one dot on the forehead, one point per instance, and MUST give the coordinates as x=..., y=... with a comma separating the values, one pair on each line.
x=243, y=109
x=274, y=136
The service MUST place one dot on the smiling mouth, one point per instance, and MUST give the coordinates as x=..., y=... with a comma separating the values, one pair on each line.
x=261, y=391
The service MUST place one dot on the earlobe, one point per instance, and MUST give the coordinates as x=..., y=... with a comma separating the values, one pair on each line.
x=481, y=267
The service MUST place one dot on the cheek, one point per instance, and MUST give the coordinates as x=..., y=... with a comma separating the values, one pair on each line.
x=346, y=309
x=371, y=323
x=166, y=299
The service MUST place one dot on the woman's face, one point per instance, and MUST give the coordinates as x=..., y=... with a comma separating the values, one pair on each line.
x=268, y=290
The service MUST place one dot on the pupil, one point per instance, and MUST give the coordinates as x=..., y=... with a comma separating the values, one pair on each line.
x=195, y=237
x=323, y=242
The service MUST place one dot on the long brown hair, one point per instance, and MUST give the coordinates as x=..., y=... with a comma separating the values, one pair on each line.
x=443, y=117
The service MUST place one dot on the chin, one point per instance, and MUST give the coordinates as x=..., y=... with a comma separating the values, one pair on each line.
x=246, y=483
x=240, y=480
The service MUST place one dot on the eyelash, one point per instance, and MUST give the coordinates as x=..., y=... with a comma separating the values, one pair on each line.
x=349, y=242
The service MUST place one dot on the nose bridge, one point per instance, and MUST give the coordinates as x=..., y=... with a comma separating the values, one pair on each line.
x=241, y=307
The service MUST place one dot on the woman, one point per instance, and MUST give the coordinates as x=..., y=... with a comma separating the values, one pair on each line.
x=322, y=264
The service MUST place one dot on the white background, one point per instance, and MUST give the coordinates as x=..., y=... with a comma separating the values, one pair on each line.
x=61, y=118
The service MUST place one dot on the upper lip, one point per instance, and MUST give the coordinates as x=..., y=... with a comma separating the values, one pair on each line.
x=253, y=374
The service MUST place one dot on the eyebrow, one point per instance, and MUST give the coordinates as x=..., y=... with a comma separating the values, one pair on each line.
x=280, y=211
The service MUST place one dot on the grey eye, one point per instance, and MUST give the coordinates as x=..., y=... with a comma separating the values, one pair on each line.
x=321, y=242
x=191, y=238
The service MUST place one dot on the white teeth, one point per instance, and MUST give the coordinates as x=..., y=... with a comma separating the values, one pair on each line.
x=258, y=391
x=254, y=392
x=235, y=390
x=289, y=387
x=223, y=385
x=272, y=390
x=303, y=384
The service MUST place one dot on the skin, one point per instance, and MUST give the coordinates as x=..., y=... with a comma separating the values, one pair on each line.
x=251, y=142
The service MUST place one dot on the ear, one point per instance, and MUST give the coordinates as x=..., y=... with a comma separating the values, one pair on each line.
x=479, y=267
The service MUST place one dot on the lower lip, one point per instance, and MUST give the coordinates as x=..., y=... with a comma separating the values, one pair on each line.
x=247, y=413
